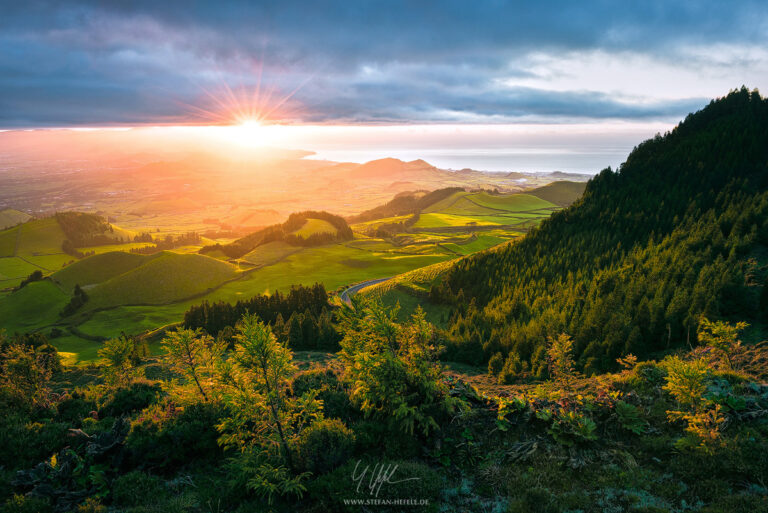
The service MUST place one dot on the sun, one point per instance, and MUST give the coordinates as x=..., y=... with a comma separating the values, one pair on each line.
x=252, y=133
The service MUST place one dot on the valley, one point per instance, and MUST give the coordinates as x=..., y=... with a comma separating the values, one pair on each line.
x=138, y=289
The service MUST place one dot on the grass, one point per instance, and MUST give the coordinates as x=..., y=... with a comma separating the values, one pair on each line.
x=14, y=268
x=11, y=217
x=100, y=268
x=445, y=203
x=76, y=350
x=333, y=265
x=561, y=193
x=480, y=243
x=50, y=262
x=36, y=305
x=436, y=220
x=40, y=237
x=8, y=242
x=511, y=202
x=378, y=222
x=436, y=314
x=270, y=253
x=134, y=320
x=315, y=226
x=114, y=247
x=166, y=278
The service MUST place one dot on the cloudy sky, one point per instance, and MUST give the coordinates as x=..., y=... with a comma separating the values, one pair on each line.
x=635, y=66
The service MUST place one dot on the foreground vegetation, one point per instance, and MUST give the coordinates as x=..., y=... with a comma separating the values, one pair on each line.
x=242, y=425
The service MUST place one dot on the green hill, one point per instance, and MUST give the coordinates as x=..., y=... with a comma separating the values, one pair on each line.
x=680, y=231
x=11, y=217
x=561, y=193
x=100, y=268
x=40, y=237
x=297, y=230
x=37, y=304
x=315, y=226
x=166, y=278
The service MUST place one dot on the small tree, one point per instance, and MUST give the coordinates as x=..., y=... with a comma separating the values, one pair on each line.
x=722, y=337
x=120, y=360
x=266, y=421
x=687, y=382
x=195, y=356
x=393, y=368
x=560, y=358
x=495, y=364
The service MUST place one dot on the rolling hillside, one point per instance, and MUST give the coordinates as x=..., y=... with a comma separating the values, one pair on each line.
x=561, y=193
x=100, y=268
x=11, y=217
x=679, y=231
x=162, y=278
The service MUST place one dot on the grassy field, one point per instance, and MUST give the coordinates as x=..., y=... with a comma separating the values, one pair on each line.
x=33, y=245
x=100, y=268
x=114, y=247
x=8, y=242
x=313, y=226
x=40, y=237
x=561, y=193
x=510, y=203
x=11, y=217
x=35, y=306
x=166, y=278
x=270, y=253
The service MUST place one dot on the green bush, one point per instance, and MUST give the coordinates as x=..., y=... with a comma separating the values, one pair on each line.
x=23, y=504
x=647, y=376
x=167, y=440
x=331, y=391
x=133, y=398
x=378, y=437
x=533, y=500
x=137, y=489
x=325, y=445
x=73, y=409
x=24, y=443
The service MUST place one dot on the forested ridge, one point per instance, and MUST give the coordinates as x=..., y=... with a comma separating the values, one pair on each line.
x=629, y=268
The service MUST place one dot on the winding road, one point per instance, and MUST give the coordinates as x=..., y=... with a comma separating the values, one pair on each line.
x=354, y=289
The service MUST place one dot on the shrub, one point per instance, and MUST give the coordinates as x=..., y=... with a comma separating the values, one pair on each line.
x=722, y=337
x=629, y=418
x=74, y=408
x=560, y=358
x=325, y=445
x=164, y=440
x=495, y=364
x=23, y=504
x=533, y=500
x=137, y=489
x=571, y=428
x=393, y=369
x=647, y=376
x=133, y=398
x=511, y=369
x=330, y=390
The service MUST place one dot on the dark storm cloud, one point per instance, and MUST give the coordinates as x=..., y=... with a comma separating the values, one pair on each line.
x=96, y=62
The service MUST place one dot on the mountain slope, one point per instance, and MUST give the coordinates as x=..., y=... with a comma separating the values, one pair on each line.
x=11, y=217
x=632, y=266
x=562, y=193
